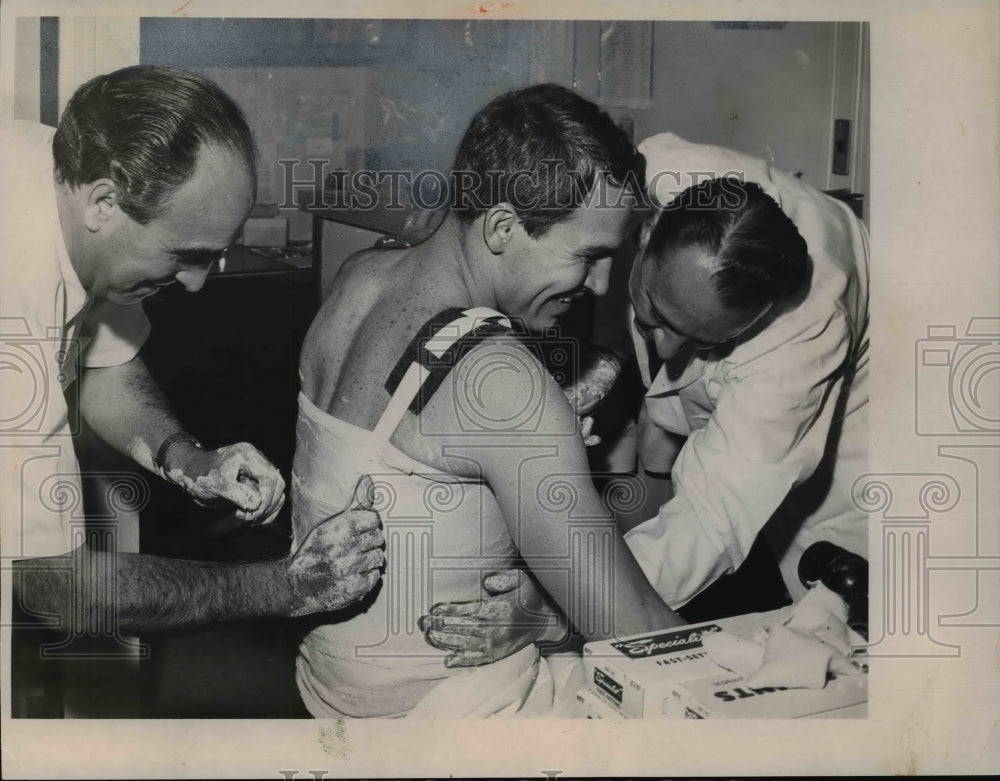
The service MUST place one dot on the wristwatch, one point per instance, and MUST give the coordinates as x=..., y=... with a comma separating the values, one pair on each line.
x=174, y=439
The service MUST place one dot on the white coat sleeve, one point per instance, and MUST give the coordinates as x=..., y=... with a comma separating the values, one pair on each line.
x=767, y=433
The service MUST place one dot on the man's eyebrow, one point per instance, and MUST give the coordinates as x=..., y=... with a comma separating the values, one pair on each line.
x=658, y=314
x=700, y=342
x=197, y=256
x=596, y=249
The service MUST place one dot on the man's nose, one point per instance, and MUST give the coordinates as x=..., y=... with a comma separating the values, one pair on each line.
x=598, y=277
x=667, y=344
x=193, y=279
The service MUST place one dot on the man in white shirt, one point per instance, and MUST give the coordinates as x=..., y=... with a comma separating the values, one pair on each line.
x=147, y=180
x=759, y=411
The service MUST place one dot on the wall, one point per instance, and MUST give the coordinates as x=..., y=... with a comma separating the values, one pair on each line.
x=400, y=92
x=27, y=75
x=769, y=92
x=766, y=92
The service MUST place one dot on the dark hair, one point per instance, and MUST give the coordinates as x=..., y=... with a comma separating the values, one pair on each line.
x=542, y=149
x=142, y=127
x=761, y=257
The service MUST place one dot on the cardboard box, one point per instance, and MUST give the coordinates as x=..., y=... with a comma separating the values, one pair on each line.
x=591, y=706
x=635, y=674
x=669, y=673
x=727, y=696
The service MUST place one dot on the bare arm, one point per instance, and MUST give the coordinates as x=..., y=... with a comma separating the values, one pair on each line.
x=138, y=593
x=538, y=469
x=658, y=449
x=337, y=563
x=124, y=405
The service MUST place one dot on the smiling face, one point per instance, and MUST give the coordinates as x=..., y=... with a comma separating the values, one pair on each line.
x=199, y=221
x=543, y=276
x=676, y=305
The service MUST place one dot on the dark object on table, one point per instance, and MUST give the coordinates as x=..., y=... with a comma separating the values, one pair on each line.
x=842, y=572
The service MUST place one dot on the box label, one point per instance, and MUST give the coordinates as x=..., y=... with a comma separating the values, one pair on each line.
x=608, y=685
x=664, y=643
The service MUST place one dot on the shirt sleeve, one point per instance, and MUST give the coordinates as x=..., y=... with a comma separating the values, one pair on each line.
x=767, y=433
x=115, y=334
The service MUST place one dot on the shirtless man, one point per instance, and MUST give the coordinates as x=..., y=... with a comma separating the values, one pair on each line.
x=469, y=410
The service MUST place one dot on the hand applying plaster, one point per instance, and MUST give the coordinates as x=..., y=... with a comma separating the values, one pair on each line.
x=597, y=376
x=238, y=473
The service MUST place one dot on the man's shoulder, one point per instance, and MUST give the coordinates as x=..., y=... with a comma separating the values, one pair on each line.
x=793, y=349
x=673, y=164
x=503, y=384
x=363, y=256
x=463, y=341
x=369, y=263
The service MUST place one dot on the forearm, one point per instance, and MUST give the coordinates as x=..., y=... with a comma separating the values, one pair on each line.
x=612, y=597
x=139, y=593
x=635, y=605
x=657, y=448
x=695, y=538
x=127, y=409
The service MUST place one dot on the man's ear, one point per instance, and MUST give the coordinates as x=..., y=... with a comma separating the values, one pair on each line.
x=100, y=205
x=646, y=228
x=499, y=225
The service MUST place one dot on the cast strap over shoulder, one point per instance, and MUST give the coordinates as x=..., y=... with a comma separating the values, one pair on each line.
x=440, y=344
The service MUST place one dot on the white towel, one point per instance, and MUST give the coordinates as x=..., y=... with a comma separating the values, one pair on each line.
x=523, y=685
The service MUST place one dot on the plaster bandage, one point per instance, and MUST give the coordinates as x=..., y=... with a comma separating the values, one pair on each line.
x=595, y=381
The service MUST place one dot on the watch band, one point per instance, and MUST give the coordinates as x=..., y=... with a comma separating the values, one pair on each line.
x=174, y=439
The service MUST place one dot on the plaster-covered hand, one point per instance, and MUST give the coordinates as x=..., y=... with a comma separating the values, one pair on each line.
x=586, y=427
x=238, y=473
x=341, y=559
x=483, y=631
x=597, y=376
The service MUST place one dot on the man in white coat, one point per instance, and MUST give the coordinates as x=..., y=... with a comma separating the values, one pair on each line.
x=764, y=427
x=749, y=322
